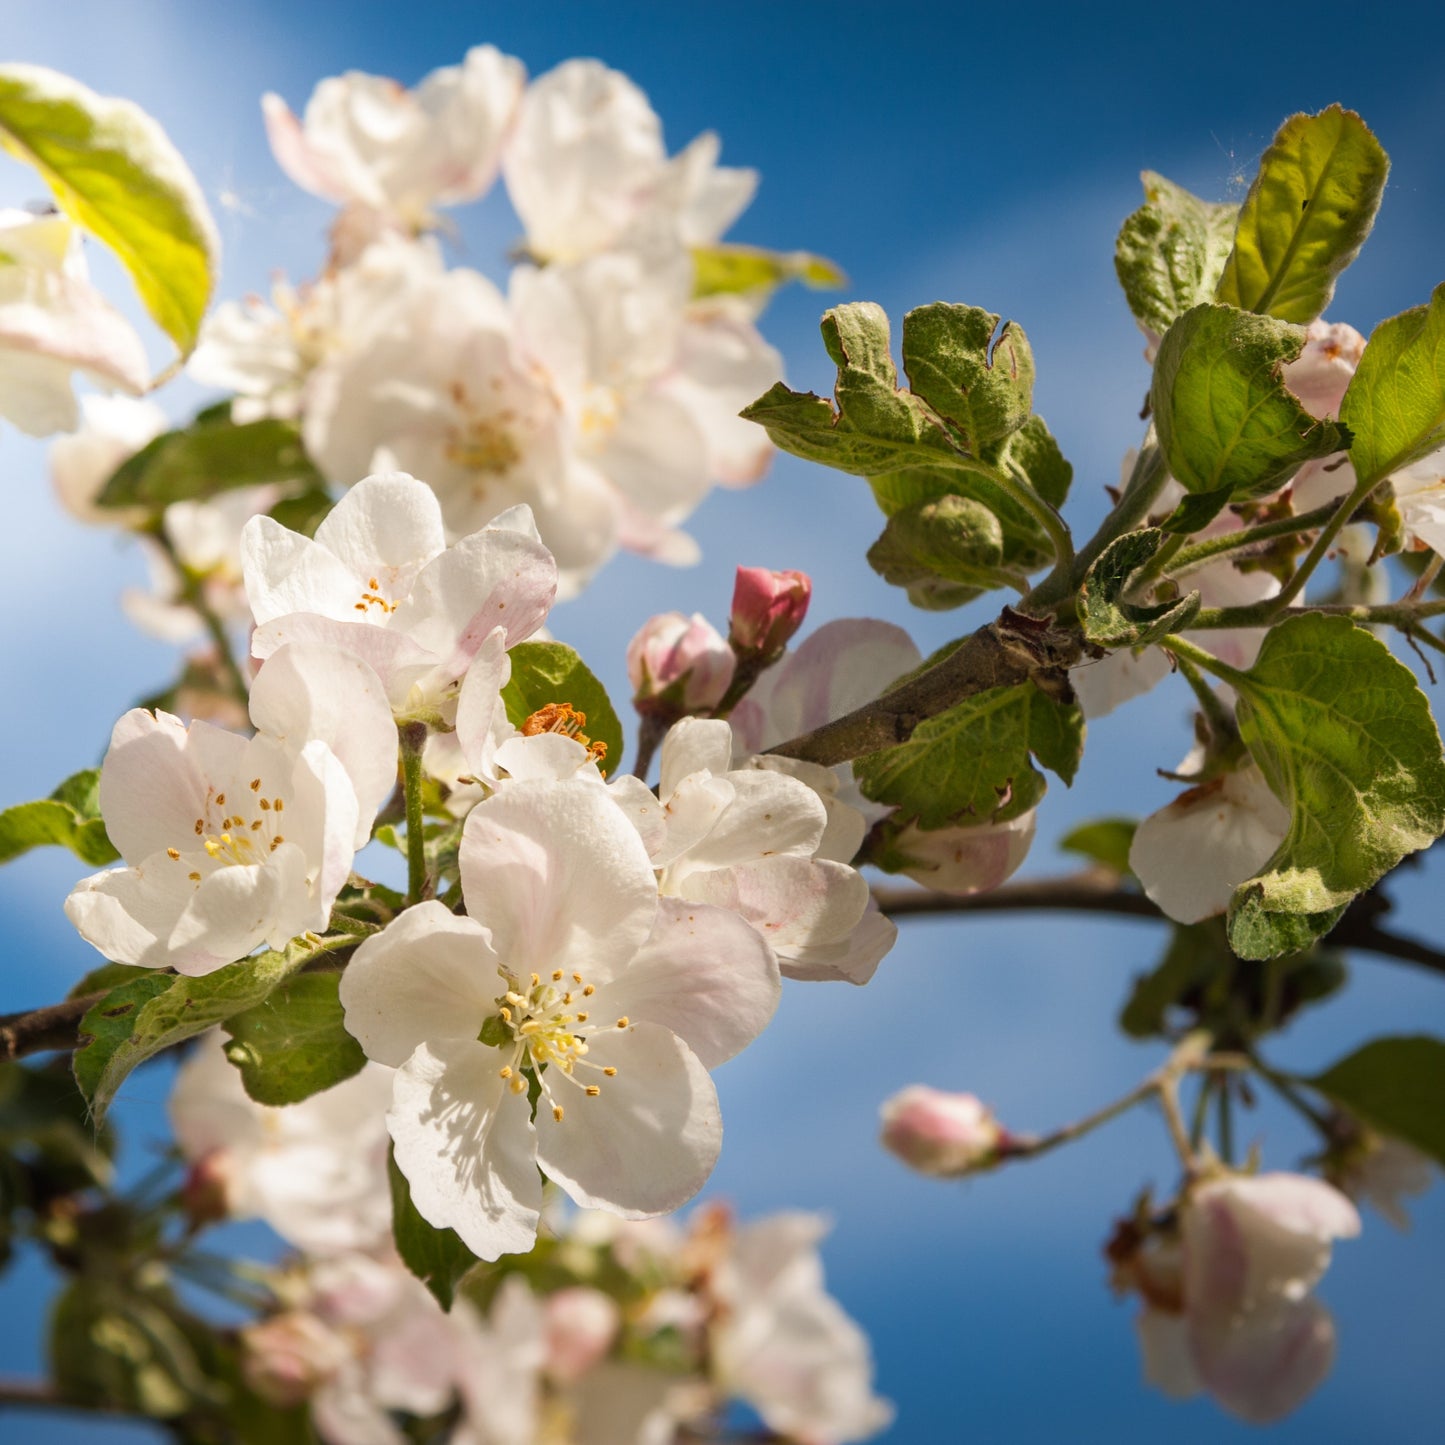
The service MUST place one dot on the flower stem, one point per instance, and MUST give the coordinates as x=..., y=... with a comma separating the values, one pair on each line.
x=413, y=740
x=1188, y=652
x=1326, y=539
x=1189, y=558
x=193, y=594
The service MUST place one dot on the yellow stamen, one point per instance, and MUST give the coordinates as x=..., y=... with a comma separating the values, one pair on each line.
x=173, y=853
x=505, y=1072
x=593, y=1090
x=255, y=785
x=623, y=1022
x=557, y=1112
x=610, y=1072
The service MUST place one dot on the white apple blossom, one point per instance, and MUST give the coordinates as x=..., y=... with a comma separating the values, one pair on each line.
x=367, y=142
x=445, y=394
x=651, y=391
x=761, y=842
x=266, y=352
x=785, y=1345
x=230, y=842
x=586, y=168
x=315, y=1171
x=567, y=967
x=379, y=580
x=53, y=322
x=1322, y=371
x=964, y=860
x=1194, y=852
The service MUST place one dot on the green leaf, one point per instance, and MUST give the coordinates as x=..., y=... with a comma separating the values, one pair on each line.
x=437, y=1257
x=973, y=761
x=1395, y=403
x=1306, y=215
x=209, y=457
x=981, y=386
x=1397, y=1086
x=1196, y=955
x=113, y=171
x=1226, y=420
x=1195, y=512
x=1105, y=841
x=871, y=427
x=945, y=552
x=727, y=270
x=1345, y=738
x=551, y=672
x=69, y=818
x=112, y=1347
x=158, y=1010
x=1171, y=252
x=1108, y=619
x=303, y=513
x=294, y=1044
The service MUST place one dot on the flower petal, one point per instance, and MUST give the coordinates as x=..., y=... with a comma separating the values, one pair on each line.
x=466, y=1146
x=705, y=975
x=647, y=1142
x=429, y=975
x=388, y=526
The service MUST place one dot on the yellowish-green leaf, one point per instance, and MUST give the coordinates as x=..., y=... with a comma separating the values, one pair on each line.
x=1397, y=1086
x=725, y=270
x=113, y=171
x=1306, y=215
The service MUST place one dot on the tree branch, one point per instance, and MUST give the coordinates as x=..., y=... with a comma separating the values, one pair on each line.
x=1098, y=890
x=1001, y=654
x=56, y=1026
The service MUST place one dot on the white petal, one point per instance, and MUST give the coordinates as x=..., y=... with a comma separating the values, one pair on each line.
x=465, y=1144
x=233, y=910
x=694, y=745
x=306, y=691
x=151, y=791
x=429, y=975
x=1168, y=1359
x=481, y=716
x=387, y=526
x=560, y=877
x=286, y=572
x=771, y=816
x=1263, y=1365
x=704, y=974
x=792, y=902
x=648, y=1141
x=854, y=959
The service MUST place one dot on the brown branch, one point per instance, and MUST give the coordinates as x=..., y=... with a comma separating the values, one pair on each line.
x=56, y=1026
x=1098, y=890
x=1002, y=654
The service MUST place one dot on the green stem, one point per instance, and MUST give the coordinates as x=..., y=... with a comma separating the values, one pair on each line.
x=1187, y=651
x=1220, y=718
x=1206, y=551
x=1141, y=491
x=1226, y=1123
x=1027, y=1148
x=1405, y=615
x=1326, y=539
x=1043, y=514
x=1285, y=1088
x=413, y=740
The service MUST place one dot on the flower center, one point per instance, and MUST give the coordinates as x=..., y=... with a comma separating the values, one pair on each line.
x=481, y=441
x=562, y=717
x=239, y=832
x=373, y=598
x=545, y=1028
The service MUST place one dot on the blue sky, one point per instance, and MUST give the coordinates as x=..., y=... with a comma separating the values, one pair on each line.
x=967, y=153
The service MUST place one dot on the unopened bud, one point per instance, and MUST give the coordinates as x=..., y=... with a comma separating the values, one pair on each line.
x=205, y=1195
x=768, y=608
x=678, y=665
x=963, y=860
x=939, y=1133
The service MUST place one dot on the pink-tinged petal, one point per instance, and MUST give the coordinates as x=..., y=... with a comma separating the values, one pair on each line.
x=392, y=656
x=705, y=975
x=286, y=572
x=308, y=692
x=1262, y=1365
x=494, y=578
x=854, y=959
x=560, y=877
x=691, y=812
x=310, y=170
x=151, y=792
x=1116, y=679
x=694, y=745
x=466, y=1146
x=771, y=816
x=1167, y=1357
x=966, y=860
x=481, y=717
x=648, y=1140
x=387, y=526
x=429, y=975
x=793, y=902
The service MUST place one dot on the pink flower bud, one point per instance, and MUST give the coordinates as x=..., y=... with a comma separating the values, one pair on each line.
x=681, y=661
x=938, y=1133
x=768, y=608
x=581, y=1324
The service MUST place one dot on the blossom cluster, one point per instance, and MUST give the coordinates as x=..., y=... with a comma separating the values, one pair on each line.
x=629, y=1333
